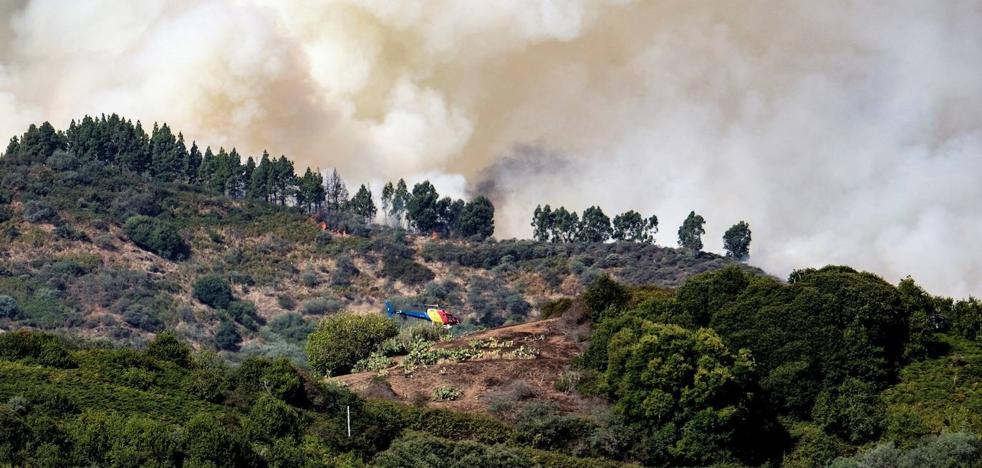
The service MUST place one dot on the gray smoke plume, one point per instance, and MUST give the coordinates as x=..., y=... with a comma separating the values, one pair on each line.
x=842, y=131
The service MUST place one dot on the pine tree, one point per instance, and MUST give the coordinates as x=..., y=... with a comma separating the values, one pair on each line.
x=259, y=182
x=194, y=163
x=166, y=155
x=284, y=183
x=362, y=204
x=336, y=194
x=207, y=168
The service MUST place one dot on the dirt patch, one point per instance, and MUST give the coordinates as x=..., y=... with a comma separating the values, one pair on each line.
x=503, y=374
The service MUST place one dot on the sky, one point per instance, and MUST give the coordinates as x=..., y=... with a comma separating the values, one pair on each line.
x=844, y=132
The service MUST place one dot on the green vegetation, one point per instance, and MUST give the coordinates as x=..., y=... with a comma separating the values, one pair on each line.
x=73, y=403
x=832, y=361
x=691, y=231
x=736, y=241
x=832, y=367
x=213, y=291
x=340, y=341
x=156, y=236
x=563, y=226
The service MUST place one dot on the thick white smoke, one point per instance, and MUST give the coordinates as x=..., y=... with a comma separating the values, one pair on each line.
x=844, y=132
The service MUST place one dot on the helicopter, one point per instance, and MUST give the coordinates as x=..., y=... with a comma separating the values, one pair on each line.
x=433, y=313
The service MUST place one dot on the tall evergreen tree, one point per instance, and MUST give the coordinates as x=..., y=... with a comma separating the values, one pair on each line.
x=336, y=194
x=477, y=218
x=310, y=192
x=736, y=241
x=595, y=226
x=166, y=155
x=284, y=180
x=362, y=204
x=207, y=168
x=691, y=231
x=565, y=225
x=259, y=182
x=629, y=226
x=388, y=191
x=400, y=198
x=651, y=228
x=422, y=209
x=194, y=163
x=542, y=221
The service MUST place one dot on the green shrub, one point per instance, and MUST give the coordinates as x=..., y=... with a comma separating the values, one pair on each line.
x=69, y=233
x=375, y=362
x=217, y=441
x=405, y=270
x=39, y=212
x=852, y=411
x=157, y=236
x=309, y=278
x=209, y=378
x=227, y=338
x=291, y=327
x=344, y=272
x=424, y=450
x=342, y=340
x=270, y=418
x=245, y=313
x=167, y=346
x=34, y=347
x=320, y=306
x=141, y=441
x=286, y=302
x=143, y=318
x=953, y=449
x=213, y=290
x=605, y=293
x=9, y=309
x=555, y=308
x=446, y=393
x=541, y=426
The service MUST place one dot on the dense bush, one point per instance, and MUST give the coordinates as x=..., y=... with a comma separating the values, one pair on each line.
x=39, y=212
x=949, y=449
x=157, y=236
x=656, y=378
x=167, y=346
x=852, y=411
x=405, y=270
x=227, y=338
x=344, y=272
x=35, y=348
x=605, y=293
x=320, y=306
x=143, y=318
x=291, y=327
x=339, y=342
x=417, y=449
x=245, y=313
x=213, y=290
x=9, y=309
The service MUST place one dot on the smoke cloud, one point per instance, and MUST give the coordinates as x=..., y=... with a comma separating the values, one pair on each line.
x=843, y=132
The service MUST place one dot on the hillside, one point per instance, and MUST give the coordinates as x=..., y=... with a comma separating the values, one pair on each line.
x=503, y=367
x=70, y=262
